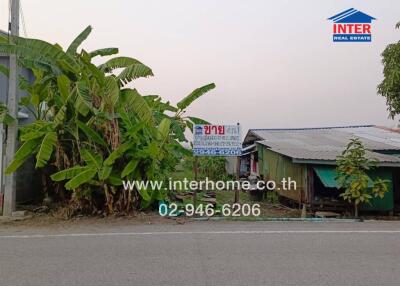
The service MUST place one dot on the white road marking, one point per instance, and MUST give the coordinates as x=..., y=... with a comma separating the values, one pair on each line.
x=105, y=234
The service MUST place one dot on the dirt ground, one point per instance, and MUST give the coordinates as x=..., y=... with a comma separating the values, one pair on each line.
x=57, y=219
x=55, y=222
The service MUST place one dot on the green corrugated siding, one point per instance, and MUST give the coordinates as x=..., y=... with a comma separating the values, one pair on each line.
x=385, y=204
x=274, y=166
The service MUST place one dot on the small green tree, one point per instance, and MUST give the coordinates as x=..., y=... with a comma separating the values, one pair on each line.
x=390, y=85
x=352, y=167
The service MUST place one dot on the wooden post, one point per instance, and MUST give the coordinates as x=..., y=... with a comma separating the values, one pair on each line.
x=196, y=174
x=237, y=192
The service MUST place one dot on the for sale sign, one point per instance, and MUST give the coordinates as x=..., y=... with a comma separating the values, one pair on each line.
x=217, y=140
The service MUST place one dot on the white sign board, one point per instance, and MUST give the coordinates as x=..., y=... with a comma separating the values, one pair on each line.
x=217, y=140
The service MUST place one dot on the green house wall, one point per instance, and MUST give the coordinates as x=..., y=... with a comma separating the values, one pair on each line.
x=274, y=166
x=386, y=203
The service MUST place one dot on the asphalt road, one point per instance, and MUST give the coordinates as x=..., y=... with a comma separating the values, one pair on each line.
x=204, y=253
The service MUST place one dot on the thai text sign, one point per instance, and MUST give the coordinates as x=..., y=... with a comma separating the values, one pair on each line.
x=217, y=140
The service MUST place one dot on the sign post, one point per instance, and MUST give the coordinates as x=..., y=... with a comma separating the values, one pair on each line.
x=196, y=172
x=237, y=191
x=217, y=140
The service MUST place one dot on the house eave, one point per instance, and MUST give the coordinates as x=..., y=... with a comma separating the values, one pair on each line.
x=332, y=162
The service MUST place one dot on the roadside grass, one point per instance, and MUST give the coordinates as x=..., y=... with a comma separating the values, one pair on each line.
x=269, y=202
x=181, y=173
x=267, y=208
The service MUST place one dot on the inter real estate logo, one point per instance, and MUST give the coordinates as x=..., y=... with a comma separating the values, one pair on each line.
x=352, y=26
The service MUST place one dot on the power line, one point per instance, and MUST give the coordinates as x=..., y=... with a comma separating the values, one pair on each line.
x=21, y=11
x=9, y=18
x=22, y=19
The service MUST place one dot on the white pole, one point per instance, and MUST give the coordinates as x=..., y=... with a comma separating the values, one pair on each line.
x=1, y=158
x=12, y=105
x=1, y=167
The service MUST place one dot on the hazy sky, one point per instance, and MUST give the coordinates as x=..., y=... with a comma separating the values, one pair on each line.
x=274, y=62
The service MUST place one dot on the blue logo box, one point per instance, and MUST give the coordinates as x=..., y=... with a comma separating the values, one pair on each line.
x=352, y=37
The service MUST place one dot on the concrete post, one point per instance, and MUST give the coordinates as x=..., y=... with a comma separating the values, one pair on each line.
x=12, y=105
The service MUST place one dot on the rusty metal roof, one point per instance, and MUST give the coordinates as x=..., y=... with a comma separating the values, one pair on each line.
x=327, y=143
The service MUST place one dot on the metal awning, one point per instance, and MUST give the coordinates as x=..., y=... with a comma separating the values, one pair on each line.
x=328, y=174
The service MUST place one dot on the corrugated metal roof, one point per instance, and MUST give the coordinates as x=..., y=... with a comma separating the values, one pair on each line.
x=327, y=143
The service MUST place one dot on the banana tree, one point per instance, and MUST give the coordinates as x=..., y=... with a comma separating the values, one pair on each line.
x=91, y=130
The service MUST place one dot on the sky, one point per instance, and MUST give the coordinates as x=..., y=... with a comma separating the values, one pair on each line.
x=273, y=62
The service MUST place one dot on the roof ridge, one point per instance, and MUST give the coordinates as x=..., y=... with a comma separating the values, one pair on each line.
x=313, y=128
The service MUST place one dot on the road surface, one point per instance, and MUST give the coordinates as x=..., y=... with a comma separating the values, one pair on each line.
x=203, y=253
